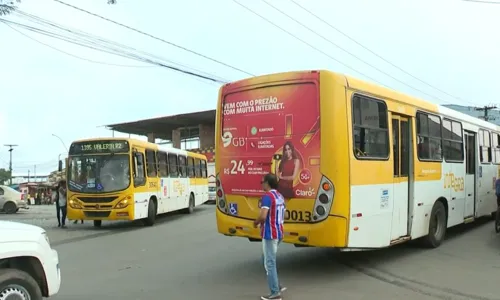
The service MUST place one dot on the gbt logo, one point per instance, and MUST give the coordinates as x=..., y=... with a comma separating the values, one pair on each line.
x=227, y=139
x=305, y=193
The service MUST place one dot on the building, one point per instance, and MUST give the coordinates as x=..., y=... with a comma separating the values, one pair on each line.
x=27, y=178
x=192, y=131
x=493, y=114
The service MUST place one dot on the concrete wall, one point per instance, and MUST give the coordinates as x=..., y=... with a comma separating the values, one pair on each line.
x=207, y=136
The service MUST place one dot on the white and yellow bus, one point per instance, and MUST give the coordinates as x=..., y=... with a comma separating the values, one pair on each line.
x=360, y=166
x=128, y=179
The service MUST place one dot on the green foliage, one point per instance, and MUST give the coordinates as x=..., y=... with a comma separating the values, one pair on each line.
x=7, y=6
x=4, y=175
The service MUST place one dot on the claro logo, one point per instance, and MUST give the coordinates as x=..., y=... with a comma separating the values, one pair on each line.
x=227, y=137
x=305, y=193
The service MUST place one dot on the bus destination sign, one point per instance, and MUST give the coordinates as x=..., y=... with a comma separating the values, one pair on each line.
x=101, y=146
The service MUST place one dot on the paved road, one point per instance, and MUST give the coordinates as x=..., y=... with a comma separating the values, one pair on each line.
x=183, y=257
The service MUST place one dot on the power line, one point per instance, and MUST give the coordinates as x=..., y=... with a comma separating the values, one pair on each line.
x=480, y=1
x=374, y=53
x=113, y=51
x=306, y=43
x=348, y=52
x=97, y=42
x=486, y=109
x=72, y=55
x=154, y=37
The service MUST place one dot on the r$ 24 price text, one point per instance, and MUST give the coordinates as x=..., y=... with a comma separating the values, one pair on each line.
x=238, y=167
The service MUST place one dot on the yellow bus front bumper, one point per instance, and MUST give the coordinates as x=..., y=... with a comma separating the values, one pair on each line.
x=125, y=214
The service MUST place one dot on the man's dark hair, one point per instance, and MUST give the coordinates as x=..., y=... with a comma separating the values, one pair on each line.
x=272, y=180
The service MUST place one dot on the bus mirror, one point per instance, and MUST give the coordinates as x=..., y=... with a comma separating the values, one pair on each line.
x=59, y=168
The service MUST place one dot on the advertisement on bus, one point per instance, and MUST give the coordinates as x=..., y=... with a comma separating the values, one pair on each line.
x=271, y=129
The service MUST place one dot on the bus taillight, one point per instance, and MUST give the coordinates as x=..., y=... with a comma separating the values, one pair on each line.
x=324, y=200
x=221, y=201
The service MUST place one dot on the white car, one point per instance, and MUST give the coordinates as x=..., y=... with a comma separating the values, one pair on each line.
x=211, y=194
x=11, y=200
x=29, y=267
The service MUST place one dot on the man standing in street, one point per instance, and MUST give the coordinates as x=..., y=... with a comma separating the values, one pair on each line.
x=62, y=200
x=270, y=219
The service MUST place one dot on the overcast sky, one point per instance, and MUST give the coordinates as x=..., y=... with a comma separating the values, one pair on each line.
x=448, y=44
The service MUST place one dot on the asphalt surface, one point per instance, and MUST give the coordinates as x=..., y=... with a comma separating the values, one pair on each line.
x=183, y=257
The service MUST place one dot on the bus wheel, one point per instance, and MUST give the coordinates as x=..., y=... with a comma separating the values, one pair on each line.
x=190, y=208
x=151, y=219
x=437, y=226
x=97, y=223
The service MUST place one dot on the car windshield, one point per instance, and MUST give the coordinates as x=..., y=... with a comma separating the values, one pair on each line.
x=9, y=188
x=99, y=173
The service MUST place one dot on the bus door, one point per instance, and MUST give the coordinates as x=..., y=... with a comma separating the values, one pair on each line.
x=470, y=174
x=402, y=184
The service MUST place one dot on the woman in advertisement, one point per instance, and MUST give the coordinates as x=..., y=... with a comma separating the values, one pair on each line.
x=287, y=170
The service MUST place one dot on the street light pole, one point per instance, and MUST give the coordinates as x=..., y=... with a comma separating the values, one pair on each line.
x=11, y=148
x=58, y=137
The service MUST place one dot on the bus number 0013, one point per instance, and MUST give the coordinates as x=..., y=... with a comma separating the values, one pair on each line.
x=297, y=215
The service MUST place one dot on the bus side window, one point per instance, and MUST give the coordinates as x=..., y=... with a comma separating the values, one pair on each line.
x=370, y=130
x=203, y=167
x=139, y=170
x=197, y=168
x=191, y=173
x=151, y=163
x=172, y=165
x=163, y=164
x=182, y=166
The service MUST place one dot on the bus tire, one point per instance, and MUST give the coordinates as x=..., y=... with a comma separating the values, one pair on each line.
x=437, y=226
x=97, y=223
x=190, y=208
x=151, y=219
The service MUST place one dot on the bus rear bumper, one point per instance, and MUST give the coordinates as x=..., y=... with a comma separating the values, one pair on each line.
x=332, y=232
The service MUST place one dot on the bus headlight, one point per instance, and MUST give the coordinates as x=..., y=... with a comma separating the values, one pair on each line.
x=123, y=204
x=74, y=204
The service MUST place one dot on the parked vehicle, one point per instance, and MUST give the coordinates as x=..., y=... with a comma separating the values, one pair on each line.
x=11, y=200
x=29, y=267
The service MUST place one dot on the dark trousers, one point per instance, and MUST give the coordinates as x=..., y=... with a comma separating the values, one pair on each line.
x=58, y=212
x=61, y=214
x=498, y=201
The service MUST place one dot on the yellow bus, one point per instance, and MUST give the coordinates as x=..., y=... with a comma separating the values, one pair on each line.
x=361, y=167
x=128, y=179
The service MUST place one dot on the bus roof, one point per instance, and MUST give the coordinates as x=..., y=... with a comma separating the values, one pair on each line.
x=144, y=144
x=387, y=93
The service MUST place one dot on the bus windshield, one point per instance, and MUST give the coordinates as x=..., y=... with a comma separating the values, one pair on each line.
x=103, y=173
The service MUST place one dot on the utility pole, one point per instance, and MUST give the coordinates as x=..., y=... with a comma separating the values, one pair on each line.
x=34, y=175
x=11, y=148
x=28, y=175
x=486, y=109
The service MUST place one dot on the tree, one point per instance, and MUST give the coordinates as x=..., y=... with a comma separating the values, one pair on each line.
x=7, y=6
x=4, y=175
